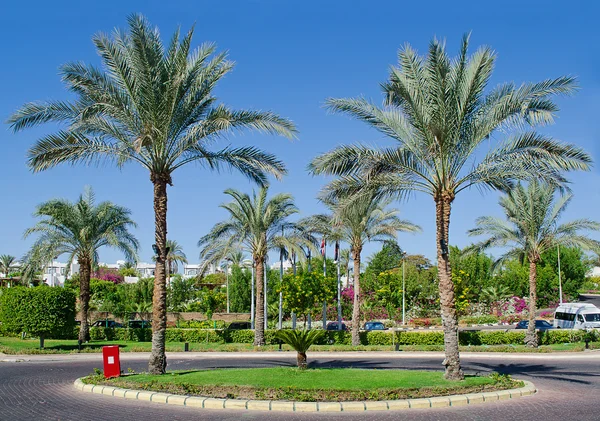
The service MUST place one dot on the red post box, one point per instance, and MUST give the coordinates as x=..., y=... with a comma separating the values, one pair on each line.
x=112, y=364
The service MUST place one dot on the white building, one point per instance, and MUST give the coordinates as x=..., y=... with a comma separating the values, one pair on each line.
x=55, y=273
x=287, y=265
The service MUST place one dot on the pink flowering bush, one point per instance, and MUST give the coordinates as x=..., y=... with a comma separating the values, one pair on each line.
x=106, y=274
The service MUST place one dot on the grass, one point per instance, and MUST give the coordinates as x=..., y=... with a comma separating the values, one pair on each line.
x=309, y=385
x=11, y=345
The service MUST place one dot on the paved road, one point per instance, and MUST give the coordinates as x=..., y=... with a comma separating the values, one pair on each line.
x=569, y=387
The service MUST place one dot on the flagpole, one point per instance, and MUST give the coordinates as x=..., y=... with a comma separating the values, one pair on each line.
x=324, y=253
x=339, y=285
x=280, y=285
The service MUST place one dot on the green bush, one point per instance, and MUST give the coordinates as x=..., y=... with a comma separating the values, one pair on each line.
x=41, y=311
x=478, y=320
x=202, y=324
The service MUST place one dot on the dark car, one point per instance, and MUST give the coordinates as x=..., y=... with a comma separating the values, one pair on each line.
x=334, y=326
x=374, y=326
x=239, y=325
x=539, y=325
x=139, y=324
x=106, y=323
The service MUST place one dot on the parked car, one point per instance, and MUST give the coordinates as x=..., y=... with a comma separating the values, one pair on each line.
x=239, y=325
x=106, y=323
x=139, y=324
x=374, y=326
x=334, y=326
x=539, y=325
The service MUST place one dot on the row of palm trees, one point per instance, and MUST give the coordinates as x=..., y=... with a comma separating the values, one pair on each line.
x=153, y=105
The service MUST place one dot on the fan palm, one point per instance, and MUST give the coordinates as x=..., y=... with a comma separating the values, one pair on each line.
x=174, y=254
x=152, y=104
x=256, y=223
x=439, y=116
x=6, y=263
x=79, y=230
x=365, y=219
x=531, y=228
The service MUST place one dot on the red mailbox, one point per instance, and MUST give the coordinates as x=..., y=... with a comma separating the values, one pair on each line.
x=112, y=364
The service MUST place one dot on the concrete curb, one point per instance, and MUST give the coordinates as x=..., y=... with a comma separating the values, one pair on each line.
x=288, y=406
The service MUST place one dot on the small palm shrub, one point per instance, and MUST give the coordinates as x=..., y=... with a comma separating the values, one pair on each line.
x=301, y=341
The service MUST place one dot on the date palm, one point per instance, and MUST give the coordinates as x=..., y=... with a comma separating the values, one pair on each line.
x=174, y=254
x=6, y=263
x=365, y=219
x=531, y=228
x=79, y=230
x=442, y=116
x=256, y=224
x=151, y=104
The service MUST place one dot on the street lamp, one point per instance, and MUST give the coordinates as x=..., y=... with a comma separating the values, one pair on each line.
x=252, y=297
x=227, y=281
x=559, y=277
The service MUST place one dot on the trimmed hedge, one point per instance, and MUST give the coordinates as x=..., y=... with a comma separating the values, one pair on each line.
x=41, y=311
x=469, y=337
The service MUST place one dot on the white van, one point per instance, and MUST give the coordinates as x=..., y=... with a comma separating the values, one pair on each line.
x=577, y=316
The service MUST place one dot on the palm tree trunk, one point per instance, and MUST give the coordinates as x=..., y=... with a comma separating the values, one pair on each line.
x=158, y=359
x=259, y=318
x=446, y=288
x=84, y=298
x=356, y=304
x=301, y=359
x=531, y=337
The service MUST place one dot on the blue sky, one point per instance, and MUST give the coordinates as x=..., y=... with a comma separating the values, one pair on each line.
x=290, y=57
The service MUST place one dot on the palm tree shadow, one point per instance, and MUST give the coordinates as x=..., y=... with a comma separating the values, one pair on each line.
x=541, y=371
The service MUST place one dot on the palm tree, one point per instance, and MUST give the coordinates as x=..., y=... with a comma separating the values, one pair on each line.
x=365, y=219
x=531, y=228
x=79, y=230
x=6, y=262
x=256, y=223
x=174, y=254
x=439, y=116
x=152, y=104
x=301, y=341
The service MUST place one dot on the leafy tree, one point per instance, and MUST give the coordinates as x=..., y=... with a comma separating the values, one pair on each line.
x=151, y=104
x=41, y=311
x=440, y=112
x=180, y=293
x=530, y=229
x=79, y=230
x=304, y=291
x=257, y=223
x=239, y=289
x=389, y=257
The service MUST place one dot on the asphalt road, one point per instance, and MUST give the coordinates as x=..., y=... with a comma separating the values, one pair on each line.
x=569, y=388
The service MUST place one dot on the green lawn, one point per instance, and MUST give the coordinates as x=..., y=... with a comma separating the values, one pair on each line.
x=337, y=379
x=11, y=345
x=285, y=383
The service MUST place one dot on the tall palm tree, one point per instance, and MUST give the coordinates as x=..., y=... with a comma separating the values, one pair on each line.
x=531, y=228
x=438, y=113
x=79, y=230
x=365, y=219
x=256, y=222
x=151, y=104
x=6, y=263
x=174, y=254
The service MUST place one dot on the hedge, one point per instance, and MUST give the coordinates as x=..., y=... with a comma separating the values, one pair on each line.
x=470, y=337
x=41, y=311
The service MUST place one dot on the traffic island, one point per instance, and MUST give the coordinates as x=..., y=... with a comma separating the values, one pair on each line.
x=330, y=390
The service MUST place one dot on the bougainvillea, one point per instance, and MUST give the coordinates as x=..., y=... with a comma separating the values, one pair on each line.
x=106, y=274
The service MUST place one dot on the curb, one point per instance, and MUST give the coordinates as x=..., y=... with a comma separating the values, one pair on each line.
x=289, y=406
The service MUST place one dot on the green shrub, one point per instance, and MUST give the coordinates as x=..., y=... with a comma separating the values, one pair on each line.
x=41, y=311
x=479, y=320
x=420, y=338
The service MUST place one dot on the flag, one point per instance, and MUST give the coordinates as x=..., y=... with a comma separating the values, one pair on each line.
x=336, y=255
x=323, y=244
